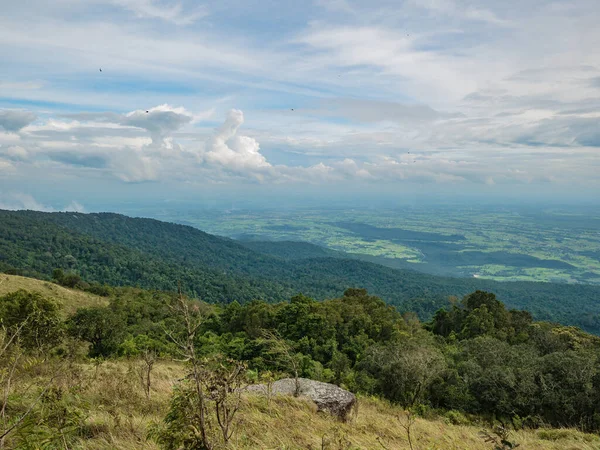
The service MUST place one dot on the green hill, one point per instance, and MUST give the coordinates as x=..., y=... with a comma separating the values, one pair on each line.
x=119, y=250
x=69, y=299
x=292, y=250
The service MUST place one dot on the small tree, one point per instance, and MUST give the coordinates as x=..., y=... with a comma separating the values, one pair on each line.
x=223, y=385
x=293, y=361
x=187, y=423
x=11, y=357
x=148, y=360
x=99, y=326
x=208, y=397
x=405, y=370
x=44, y=327
x=407, y=423
x=499, y=437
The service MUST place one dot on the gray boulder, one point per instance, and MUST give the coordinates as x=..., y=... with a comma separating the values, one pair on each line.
x=328, y=397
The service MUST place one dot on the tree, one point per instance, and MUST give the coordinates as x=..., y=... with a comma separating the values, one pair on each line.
x=147, y=364
x=101, y=327
x=12, y=361
x=44, y=327
x=405, y=369
x=187, y=422
x=292, y=360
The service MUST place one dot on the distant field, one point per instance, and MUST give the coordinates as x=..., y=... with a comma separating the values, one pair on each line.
x=494, y=243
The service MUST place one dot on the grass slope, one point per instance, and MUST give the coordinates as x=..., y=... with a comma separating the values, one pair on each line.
x=118, y=415
x=70, y=299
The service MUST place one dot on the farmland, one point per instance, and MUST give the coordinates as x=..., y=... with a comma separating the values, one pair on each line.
x=516, y=244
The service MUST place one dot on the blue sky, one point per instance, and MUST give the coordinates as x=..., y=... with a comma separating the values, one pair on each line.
x=242, y=98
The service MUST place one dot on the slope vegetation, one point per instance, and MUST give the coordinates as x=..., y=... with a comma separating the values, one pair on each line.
x=119, y=250
x=69, y=299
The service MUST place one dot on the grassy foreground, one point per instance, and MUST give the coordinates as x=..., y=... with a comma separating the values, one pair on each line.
x=112, y=410
x=118, y=416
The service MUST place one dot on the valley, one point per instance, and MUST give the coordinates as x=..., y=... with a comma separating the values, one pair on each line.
x=497, y=243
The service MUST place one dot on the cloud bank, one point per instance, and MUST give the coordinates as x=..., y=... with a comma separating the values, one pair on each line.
x=444, y=92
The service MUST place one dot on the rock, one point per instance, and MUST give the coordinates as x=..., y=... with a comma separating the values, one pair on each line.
x=328, y=397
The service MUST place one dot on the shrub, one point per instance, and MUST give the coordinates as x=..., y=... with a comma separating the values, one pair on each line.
x=38, y=317
x=456, y=418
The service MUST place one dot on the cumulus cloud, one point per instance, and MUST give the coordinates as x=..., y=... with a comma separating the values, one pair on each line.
x=399, y=143
x=13, y=120
x=159, y=121
x=115, y=143
x=233, y=152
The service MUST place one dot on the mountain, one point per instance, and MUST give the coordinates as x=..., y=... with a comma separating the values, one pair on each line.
x=292, y=250
x=120, y=250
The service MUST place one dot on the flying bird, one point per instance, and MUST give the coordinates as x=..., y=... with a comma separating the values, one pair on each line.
x=292, y=109
x=100, y=70
x=146, y=112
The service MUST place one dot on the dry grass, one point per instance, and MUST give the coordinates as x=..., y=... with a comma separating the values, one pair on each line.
x=71, y=299
x=120, y=416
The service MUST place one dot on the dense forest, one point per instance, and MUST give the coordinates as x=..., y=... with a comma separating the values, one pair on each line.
x=474, y=361
x=122, y=251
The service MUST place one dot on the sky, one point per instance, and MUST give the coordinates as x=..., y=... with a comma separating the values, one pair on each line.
x=106, y=102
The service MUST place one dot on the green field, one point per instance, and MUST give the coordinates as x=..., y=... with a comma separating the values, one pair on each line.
x=527, y=244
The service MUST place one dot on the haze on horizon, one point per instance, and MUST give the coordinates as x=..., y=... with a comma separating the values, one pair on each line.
x=286, y=101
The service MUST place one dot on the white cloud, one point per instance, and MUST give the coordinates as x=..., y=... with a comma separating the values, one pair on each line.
x=132, y=166
x=160, y=121
x=168, y=11
x=15, y=201
x=232, y=152
x=6, y=166
x=74, y=206
x=15, y=153
x=464, y=86
x=18, y=200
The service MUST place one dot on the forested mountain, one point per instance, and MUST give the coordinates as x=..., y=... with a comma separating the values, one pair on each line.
x=292, y=250
x=119, y=250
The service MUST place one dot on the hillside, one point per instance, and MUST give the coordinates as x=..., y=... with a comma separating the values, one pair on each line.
x=113, y=375
x=69, y=299
x=291, y=250
x=118, y=415
x=118, y=250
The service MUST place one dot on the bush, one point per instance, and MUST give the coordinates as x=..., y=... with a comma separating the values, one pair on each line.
x=98, y=289
x=562, y=434
x=101, y=327
x=456, y=418
x=37, y=317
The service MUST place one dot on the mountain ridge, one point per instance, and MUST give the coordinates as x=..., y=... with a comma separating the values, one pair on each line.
x=116, y=249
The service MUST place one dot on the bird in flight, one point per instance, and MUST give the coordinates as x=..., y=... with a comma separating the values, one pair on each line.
x=146, y=112
x=292, y=109
x=100, y=70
